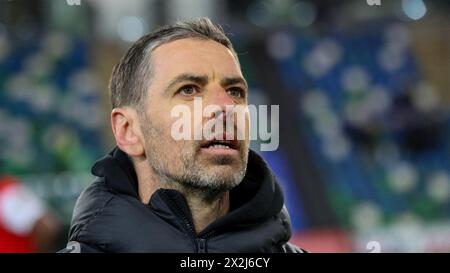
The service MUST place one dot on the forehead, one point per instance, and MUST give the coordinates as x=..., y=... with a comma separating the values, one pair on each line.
x=190, y=55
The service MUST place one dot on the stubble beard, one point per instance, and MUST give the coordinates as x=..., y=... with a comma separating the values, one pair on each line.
x=184, y=171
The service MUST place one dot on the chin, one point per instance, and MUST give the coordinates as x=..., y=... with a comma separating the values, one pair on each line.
x=226, y=173
x=227, y=161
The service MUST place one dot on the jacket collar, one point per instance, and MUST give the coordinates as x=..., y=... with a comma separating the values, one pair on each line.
x=256, y=198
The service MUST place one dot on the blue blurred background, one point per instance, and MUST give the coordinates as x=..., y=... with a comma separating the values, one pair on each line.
x=364, y=94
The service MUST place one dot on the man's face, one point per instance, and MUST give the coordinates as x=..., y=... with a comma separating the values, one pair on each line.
x=183, y=70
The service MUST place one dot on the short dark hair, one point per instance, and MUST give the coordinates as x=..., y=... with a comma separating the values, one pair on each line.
x=131, y=76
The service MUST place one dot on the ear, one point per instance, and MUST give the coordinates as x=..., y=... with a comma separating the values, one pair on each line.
x=127, y=132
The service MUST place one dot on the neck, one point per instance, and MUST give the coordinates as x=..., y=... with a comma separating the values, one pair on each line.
x=205, y=208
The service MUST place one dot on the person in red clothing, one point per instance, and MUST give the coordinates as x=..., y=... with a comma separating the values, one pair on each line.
x=26, y=225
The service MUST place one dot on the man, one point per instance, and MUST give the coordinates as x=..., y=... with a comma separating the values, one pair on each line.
x=158, y=194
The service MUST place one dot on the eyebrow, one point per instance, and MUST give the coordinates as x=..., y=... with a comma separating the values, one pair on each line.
x=202, y=80
x=227, y=81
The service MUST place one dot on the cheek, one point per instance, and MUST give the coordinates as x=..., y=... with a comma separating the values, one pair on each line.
x=163, y=120
x=243, y=127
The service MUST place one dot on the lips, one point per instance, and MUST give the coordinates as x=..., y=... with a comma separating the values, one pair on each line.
x=226, y=143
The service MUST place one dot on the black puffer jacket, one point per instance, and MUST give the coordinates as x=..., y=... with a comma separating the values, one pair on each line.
x=109, y=217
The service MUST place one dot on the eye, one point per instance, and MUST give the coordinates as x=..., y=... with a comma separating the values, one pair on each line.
x=188, y=90
x=236, y=92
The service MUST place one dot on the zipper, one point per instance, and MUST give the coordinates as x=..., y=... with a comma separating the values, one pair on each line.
x=201, y=245
x=199, y=242
x=209, y=234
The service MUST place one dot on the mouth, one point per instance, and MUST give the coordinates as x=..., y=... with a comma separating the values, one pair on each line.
x=225, y=147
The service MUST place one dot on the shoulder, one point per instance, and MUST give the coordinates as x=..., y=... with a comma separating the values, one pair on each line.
x=90, y=208
x=287, y=247
x=291, y=248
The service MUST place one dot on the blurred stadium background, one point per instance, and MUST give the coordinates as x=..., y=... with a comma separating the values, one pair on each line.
x=364, y=95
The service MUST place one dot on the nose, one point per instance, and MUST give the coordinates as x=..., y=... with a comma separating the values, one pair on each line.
x=218, y=102
x=217, y=95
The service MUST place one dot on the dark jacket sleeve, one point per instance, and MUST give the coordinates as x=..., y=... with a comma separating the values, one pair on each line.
x=87, y=233
x=291, y=248
x=80, y=247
